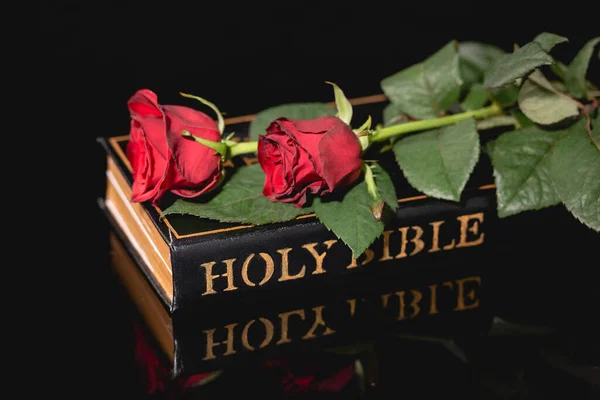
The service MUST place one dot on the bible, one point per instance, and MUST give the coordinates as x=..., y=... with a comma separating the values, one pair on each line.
x=232, y=291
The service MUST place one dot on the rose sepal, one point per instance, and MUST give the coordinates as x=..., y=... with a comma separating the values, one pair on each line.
x=220, y=119
x=219, y=147
x=378, y=203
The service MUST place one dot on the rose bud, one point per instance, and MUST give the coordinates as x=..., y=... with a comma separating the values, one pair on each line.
x=299, y=156
x=161, y=158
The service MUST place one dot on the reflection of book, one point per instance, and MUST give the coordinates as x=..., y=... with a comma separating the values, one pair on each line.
x=425, y=264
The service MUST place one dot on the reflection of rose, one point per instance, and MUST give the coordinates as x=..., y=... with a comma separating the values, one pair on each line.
x=161, y=159
x=318, y=156
x=325, y=373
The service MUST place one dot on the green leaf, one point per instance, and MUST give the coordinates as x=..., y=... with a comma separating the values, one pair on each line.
x=521, y=170
x=476, y=98
x=575, y=172
x=427, y=89
x=559, y=69
x=351, y=219
x=575, y=75
x=393, y=115
x=439, y=162
x=343, y=105
x=541, y=103
x=488, y=148
x=509, y=67
x=548, y=40
x=240, y=200
x=521, y=118
x=506, y=95
x=560, y=86
x=497, y=121
x=386, y=187
x=475, y=59
x=262, y=120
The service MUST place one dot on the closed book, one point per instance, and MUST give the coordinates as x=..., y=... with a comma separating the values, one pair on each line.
x=235, y=290
x=440, y=307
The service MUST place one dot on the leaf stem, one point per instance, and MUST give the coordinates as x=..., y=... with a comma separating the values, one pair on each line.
x=384, y=134
x=237, y=148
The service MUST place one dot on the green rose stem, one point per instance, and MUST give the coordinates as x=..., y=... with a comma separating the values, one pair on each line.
x=227, y=148
x=237, y=148
x=384, y=134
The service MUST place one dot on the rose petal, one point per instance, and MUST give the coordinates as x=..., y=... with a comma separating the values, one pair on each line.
x=190, y=117
x=195, y=162
x=316, y=125
x=308, y=141
x=272, y=163
x=304, y=171
x=148, y=167
x=144, y=108
x=340, y=153
x=166, y=183
x=144, y=103
x=205, y=187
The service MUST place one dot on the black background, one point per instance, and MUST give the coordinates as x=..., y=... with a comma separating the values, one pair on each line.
x=243, y=57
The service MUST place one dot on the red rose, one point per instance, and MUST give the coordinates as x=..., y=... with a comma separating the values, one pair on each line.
x=161, y=159
x=317, y=155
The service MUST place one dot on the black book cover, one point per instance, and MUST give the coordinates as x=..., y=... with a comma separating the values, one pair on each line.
x=451, y=303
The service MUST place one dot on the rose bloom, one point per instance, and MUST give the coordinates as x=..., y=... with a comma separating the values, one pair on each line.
x=299, y=156
x=161, y=159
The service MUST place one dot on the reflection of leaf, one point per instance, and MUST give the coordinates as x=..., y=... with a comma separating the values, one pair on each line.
x=240, y=200
x=577, y=70
x=510, y=67
x=427, y=89
x=439, y=162
x=539, y=101
x=521, y=170
x=575, y=172
x=262, y=120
